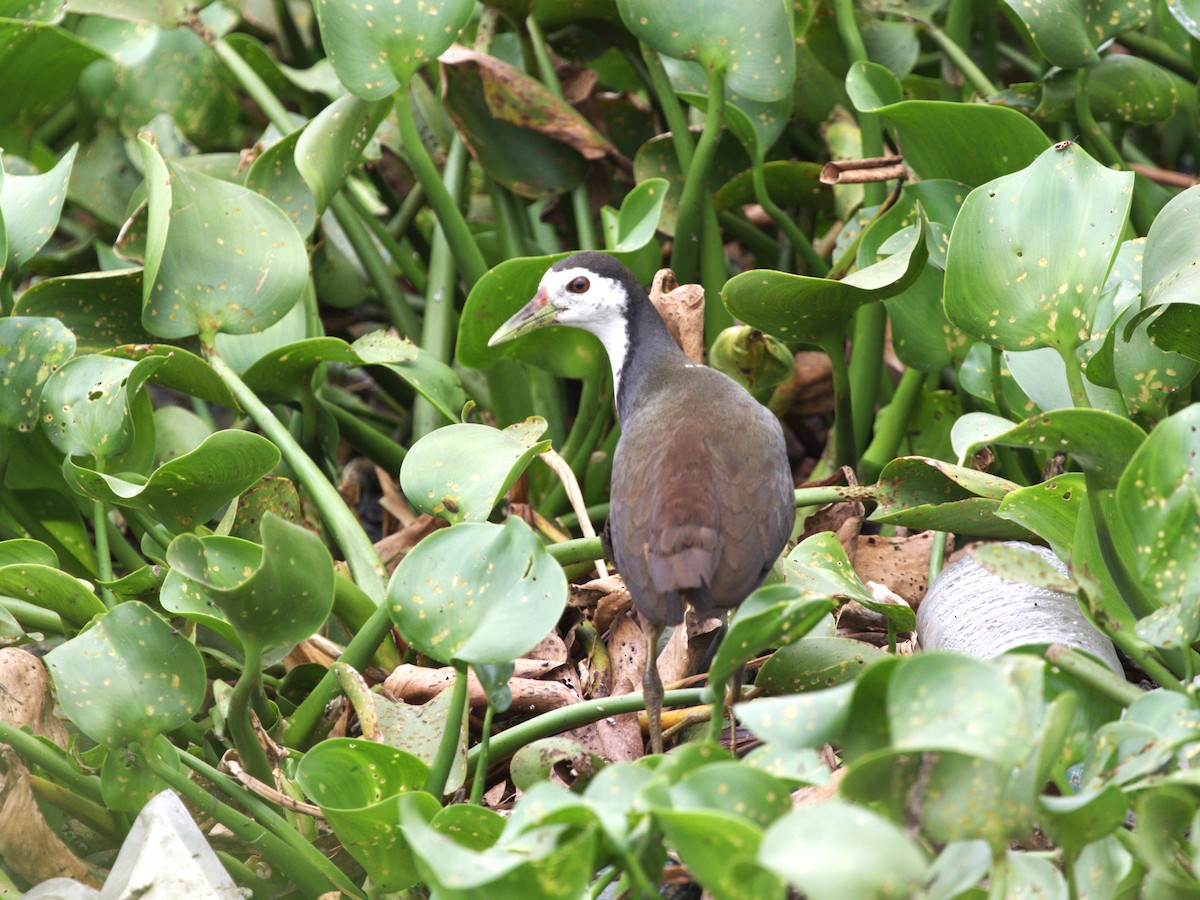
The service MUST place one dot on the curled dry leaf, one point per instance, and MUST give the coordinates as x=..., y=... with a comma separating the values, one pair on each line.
x=843, y=518
x=418, y=684
x=682, y=308
x=901, y=563
x=809, y=392
x=393, y=547
x=514, y=97
x=687, y=647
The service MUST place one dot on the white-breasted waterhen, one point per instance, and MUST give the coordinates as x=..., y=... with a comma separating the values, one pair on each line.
x=702, y=497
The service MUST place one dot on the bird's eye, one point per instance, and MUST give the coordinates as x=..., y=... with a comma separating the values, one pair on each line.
x=578, y=285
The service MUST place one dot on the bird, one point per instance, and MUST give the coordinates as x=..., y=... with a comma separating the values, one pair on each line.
x=702, y=500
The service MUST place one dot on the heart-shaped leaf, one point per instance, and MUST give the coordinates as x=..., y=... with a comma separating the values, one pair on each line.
x=819, y=566
x=29, y=209
x=100, y=308
x=477, y=593
x=31, y=349
x=1070, y=33
x=46, y=586
x=219, y=258
x=129, y=677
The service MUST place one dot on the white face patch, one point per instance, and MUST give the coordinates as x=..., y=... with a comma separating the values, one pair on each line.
x=600, y=309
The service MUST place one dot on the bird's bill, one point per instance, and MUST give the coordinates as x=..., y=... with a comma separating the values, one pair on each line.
x=535, y=314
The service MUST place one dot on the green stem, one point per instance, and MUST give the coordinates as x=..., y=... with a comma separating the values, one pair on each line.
x=402, y=256
x=1098, y=677
x=241, y=729
x=104, y=568
x=868, y=123
x=299, y=868
x=439, y=772
x=1100, y=141
x=1075, y=379
x=845, y=452
x=399, y=224
x=258, y=90
x=481, y=765
x=762, y=245
x=576, y=715
x=368, y=441
x=961, y=60
x=685, y=251
x=890, y=427
x=467, y=255
x=341, y=520
x=813, y=263
x=68, y=556
x=54, y=761
x=91, y=814
x=673, y=112
x=866, y=367
x=34, y=618
x=125, y=553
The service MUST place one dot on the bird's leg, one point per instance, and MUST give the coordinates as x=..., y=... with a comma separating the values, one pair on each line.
x=652, y=688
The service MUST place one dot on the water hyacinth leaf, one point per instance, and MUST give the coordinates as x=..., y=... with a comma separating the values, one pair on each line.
x=730, y=787
x=813, y=664
x=929, y=493
x=1169, y=278
x=752, y=45
x=47, y=587
x=1076, y=820
x=375, y=49
x=789, y=183
x=1120, y=88
x=428, y=375
x=150, y=71
x=282, y=374
x=128, y=678
x=942, y=139
x=419, y=730
x=190, y=489
x=127, y=783
x=1070, y=34
x=25, y=550
x=461, y=472
x=88, y=405
x=477, y=593
x=720, y=851
x=1147, y=376
x=638, y=219
x=774, y=615
x=1158, y=498
x=1030, y=251
x=834, y=850
x=219, y=258
x=177, y=432
x=30, y=206
x=100, y=308
x=537, y=761
x=565, y=352
x=818, y=310
x=180, y=370
x=819, y=566
x=356, y=783
x=273, y=595
x=799, y=721
x=656, y=159
x=1187, y=14
x=302, y=172
x=31, y=349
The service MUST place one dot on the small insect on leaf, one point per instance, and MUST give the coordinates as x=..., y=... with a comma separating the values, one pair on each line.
x=1063, y=145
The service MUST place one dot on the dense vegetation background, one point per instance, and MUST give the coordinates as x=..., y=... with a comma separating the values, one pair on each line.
x=256, y=454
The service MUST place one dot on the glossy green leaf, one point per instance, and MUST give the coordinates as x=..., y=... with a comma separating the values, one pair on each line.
x=44, y=585
x=834, y=850
x=819, y=566
x=190, y=489
x=1169, y=279
x=1158, y=499
x=799, y=721
x=720, y=852
x=1049, y=510
x=789, y=183
x=1074, y=821
x=180, y=370
x=477, y=593
x=100, y=308
x=419, y=730
x=128, y=678
x=31, y=349
x=1030, y=251
x=730, y=787
x=127, y=782
x=813, y=664
x=1120, y=88
x=461, y=472
x=88, y=405
x=301, y=173
x=219, y=258
x=30, y=206
x=272, y=595
x=818, y=310
x=929, y=493
x=1070, y=32
x=772, y=616
x=356, y=783
x=377, y=48
x=753, y=46
x=941, y=139
x=428, y=375
x=24, y=550
x=638, y=218
x=536, y=762
x=1042, y=376
x=656, y=159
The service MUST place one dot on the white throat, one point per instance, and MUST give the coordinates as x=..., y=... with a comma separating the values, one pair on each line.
x=615, y=338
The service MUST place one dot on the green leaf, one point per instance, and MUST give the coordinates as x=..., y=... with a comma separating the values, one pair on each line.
x=1049, y=510
x=24, y=550
x=127, y=783
x=461, y=472
x=377, y=48
x=730, y=787
x=819, y=566
x=477, y=593
x=929, y=493
x=813, y=664
x=88, y=405
x=818, y=310
x=1120, y=88
x=356, y=783
x=129, y=678
x=536, y=762
x=638, y=218
x=799, y=721
x=219, y=258
x=31, y=349
x=1169, y=278
x=1030, y=251
x=272, y=595
x=44, y=585
x=1070, y=32
x=301, y=173
x=100, y=308
x=190, y=489
x=720, y=851
x=789, y=183
x=656, y=159
x=752, y=45
x=30, y=206
x=427, y=375
x=834, y=850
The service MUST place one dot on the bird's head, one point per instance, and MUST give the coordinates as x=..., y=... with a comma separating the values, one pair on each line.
x=587, y=290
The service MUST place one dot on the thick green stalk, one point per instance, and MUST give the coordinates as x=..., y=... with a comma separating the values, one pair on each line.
x=399, y=224
x=713, y=274
x=35, y=618
x=439, y=772
x=1088, y=127
x=685, y=251
x=1075, y=379
x=340, y=519
x=53, y=760
x=866, y=366
x=1096, y=676
x=467, y=255
x=300, y=869
x=481, y=765
x=368, y=441
x=104, y=568
x=673, y=112
x=963, y=62
x=94, y=815
x=844, y=447
x=891, y=425
x=404, y=257
x=241, y=729
x=813, y=263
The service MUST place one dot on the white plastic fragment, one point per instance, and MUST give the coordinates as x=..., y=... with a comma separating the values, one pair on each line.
x=971, y=610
